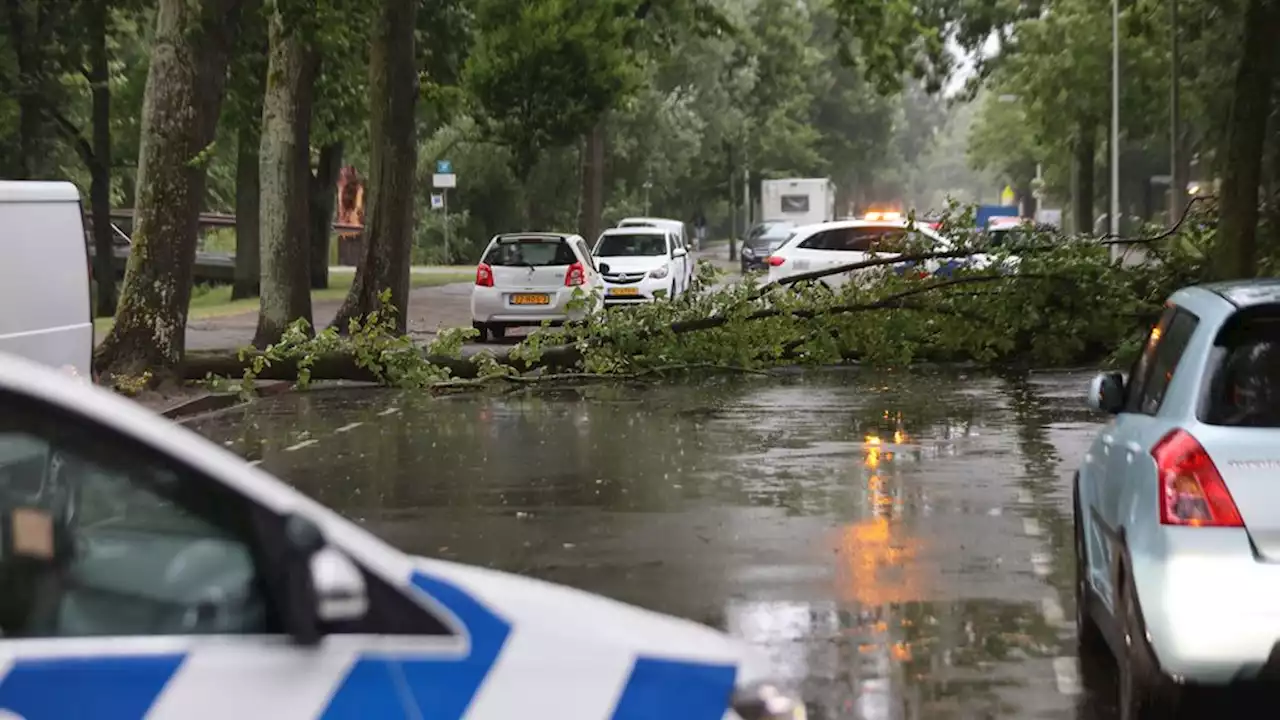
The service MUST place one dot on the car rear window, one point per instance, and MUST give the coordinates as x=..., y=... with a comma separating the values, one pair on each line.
x=631, y=245
x=1244, y=385
x=530, y=252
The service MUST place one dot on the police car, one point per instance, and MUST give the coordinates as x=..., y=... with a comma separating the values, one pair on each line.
x=148, y=573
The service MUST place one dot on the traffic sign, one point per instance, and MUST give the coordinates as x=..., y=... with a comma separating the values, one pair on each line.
x=437, y=201
x=444, y=167
x=442, y=180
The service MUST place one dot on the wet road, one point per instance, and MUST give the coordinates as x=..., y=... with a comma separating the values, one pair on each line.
x=899, y=545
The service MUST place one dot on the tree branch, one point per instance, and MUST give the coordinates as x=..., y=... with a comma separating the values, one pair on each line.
x=72, y=133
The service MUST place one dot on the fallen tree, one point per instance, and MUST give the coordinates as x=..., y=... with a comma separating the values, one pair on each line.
x=1065, y=303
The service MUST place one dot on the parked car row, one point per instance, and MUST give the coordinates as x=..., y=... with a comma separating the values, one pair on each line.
x=528, y=278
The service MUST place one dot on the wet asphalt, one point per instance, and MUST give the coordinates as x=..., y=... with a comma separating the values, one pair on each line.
x=899, y=544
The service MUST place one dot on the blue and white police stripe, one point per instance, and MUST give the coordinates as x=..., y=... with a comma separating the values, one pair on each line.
x=555, y=660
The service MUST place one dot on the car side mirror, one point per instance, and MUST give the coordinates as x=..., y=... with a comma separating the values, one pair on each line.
x=604, y=268
x=679, y=252
x=321, y=585
x=1106, y=392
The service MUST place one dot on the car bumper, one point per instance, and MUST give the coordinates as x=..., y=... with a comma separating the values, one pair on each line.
x=1210, y=606
x=495, y=306
x=636, y=293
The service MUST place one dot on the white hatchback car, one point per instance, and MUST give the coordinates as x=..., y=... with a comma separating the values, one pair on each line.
x=675, y=226
x=148, y=572
x=525, y=279
x=845, y=242
x=640, y=264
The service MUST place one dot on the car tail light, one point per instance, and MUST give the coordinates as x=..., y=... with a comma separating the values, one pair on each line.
x=484, y=275
x=577, y=275
x=1192, y=492
x=776, y=260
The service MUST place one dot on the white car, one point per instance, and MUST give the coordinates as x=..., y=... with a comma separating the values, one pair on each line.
x=675, y=226
x=640, y=264
x=525, y=279
x=147, y=572
x=845, y=242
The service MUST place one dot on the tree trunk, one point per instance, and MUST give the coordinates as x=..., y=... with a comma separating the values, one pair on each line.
x=100, y=167
x=324, y=192
x=181, y=101
x=23, y=32
x=248, y=215
x=1084, y=150
x=393, y=90
x=592, y=184
x=1235, y=249
x=284, y=167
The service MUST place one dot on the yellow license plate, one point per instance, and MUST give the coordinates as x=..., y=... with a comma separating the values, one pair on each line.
x=530, y=299
x=624, y=292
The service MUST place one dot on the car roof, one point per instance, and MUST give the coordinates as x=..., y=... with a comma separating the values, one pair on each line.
x=1247, y=293
x=636, y=230
x=533, y=236
x=650, y=220
x=38, y=191
x=846, y=224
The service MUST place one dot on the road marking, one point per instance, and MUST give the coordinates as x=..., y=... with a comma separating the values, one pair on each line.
x=1041, y=564
x=1031, y=527
x=1053, y=612
x=1067, y=674
x=348, y=427
x=255, y=463
x=389, y=411
x=299, y=446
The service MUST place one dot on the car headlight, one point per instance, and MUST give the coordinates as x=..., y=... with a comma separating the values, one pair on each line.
x=748, y=252
x=658, y=273
x=767, y=702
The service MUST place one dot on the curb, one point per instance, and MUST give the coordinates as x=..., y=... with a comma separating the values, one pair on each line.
x=215, y=401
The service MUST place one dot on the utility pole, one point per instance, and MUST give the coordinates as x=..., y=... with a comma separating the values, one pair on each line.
x=1177, y=183
x=1114, y=214
x=733, y=216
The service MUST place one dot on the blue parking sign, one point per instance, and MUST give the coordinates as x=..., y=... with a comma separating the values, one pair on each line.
x=444, y=167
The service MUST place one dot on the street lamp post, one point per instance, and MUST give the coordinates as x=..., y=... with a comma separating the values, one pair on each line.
x=1114, y=214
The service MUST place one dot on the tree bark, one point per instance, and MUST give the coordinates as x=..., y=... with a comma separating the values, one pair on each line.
x=393, y=90
x=592, y=184
x=100, y=165
x=1084, y=149
x=1235, y=248
x=248, y=214
x=181, y=101
x=284, y=168
x=324, y=192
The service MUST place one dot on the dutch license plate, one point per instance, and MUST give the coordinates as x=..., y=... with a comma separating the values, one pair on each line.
x=530, y=299
x=624, y=292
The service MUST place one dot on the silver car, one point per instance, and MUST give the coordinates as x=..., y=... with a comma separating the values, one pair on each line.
x=1177, y=503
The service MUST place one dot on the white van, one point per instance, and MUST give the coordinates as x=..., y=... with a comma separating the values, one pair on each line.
x=45, y=313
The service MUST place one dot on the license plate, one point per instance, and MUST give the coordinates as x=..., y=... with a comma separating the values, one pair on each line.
x=530, y=299
x=624, y=292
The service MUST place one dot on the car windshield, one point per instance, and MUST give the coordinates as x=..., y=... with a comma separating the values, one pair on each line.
x=645, y=245
x=530, y=252
x=776, y=235
x=1244, y=387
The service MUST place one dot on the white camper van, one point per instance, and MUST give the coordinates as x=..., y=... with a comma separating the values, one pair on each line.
x=45, y=314
x=802, y=201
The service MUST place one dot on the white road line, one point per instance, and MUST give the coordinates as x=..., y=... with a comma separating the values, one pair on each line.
x=299, y=446
x=1024, y=497
x=1053, y=612
x=389, y=411
x=348, y=427
x=255, y=462
x=1031, y=527
x=1041, y=564
x=1067, y=673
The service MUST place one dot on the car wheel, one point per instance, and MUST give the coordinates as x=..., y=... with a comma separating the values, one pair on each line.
x=745, y=269
x=1089, y=640
x=1145, y=693
x=483, y=330
x=498, y=331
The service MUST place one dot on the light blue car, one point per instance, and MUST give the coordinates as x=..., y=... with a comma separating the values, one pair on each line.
x=1177, y=503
